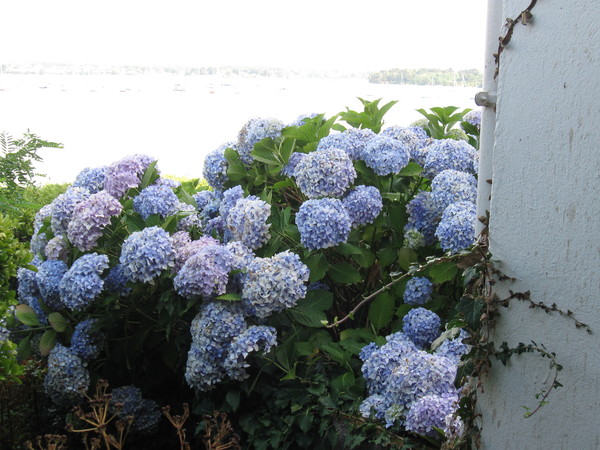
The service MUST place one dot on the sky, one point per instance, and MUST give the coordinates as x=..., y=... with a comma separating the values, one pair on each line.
x=309, y=34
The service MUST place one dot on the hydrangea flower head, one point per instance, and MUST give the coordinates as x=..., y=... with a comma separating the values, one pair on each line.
x=386, y=155
x=63, y=207
x=89, y=219
x=253, y=339
x=422, y=326
x=473, y=117
x=126, y=174
x=230, y=198
x=254, y=131
x=156, y=199
x=363, y=203
x=355, y=141
x=326, y=173
x=450, y=186
x=444, y=154
x=418, y=291
x=454, y=349
x=215, y=167
x=49, y=275
x=82, y=283
x=430, y=412
x=205, y=273
x=66, y=375
x=86, y=342
x=184, y=252
x=91, y=179
x=247, y=221
x=290, y=168
x=57, y=249
x=116, y=280
x=274, y=284
x=456, y=230
x=146, y=254
x=323, y=223
x=146, y=413
x=423, y=216
x=204, y=198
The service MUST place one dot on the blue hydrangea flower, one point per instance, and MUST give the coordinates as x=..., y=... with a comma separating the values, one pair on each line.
x=44, y=213
x=352, y=141
x=126, y=174
x=191, y=221
x=429, y=412
x=49, y=275
x=326, y=173
x=204, y=198
x=230, y=198
x=146, y=413
x=290, y=168
x=473, y=117
x=242, y=255
x=423, y=216
x=454, y=349
x=422, y=326
x=116, y=280
x=456, y=230
x=57, y=249
x=91, y=179
x=254, y=131
x=414, y=138
x=66, y=375
x=451, y=186
x=167, y=182
x=323, y=223
x=89, y=219
x=247, y=221
x=274, y=284
x=155, y=199
x=38, y=244
x=419, y=131
x=28, y=290
x=385, y=155
x=301, y=119
x=82, y=283
x=447, y=154
x=185, y=249
x=413, y=238
x=215, y=167
x=205, y=273
x=146, y=254
x=254, y=339
x=363, y=203
x=367, y=351
x=86, y=342
x=63, y=206
x=418, y=291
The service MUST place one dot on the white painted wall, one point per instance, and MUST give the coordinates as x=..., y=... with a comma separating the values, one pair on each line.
x=545, y=225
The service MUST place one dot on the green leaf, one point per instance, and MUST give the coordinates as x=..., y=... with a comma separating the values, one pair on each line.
x=24, y=348
x=318, y=266
x=412, y=169
x=233, y=399
x=152, y=220
x=387, y=256
x=232, y=297
x=442, y=272
x=344, y=273
x=185, y=197
x=344, y=381
x=403, y=310
x=381, y=311
x=407, y=257
x=305, y=348
x=236, y=170
x=336, y=352
x=150, y=175
x=471, y=310
x=265, y=153
x=26, y=315
x=58, y=322
x=47, y=342
x=309, y=310
x=286, y=354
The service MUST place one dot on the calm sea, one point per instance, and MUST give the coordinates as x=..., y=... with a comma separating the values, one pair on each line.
x=179, y=119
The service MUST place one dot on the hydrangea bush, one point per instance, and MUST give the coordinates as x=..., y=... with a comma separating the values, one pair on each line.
x=288, y=294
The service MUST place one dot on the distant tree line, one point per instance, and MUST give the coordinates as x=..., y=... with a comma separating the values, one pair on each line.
x=439, y=77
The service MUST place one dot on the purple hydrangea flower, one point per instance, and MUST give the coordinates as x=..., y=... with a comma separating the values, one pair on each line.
x=146, y=254
x=385, y=155
x=203, y=199
x=63, y=207
x=456, y=230
x=326, y=173
x=247, y=221
x=82, y=283
x=205, y=273
x=418, y=291
x=156, y=199
x=323, y=223
x=184, y=252
x=146, y=413
x=126, y=174
x=363, y=203
x=230, y=198
x=215, y=167
x=91, y=179
x=90, y=217
x=57, y=249
x=451, y=186
x=422, y=326
x=274, y=284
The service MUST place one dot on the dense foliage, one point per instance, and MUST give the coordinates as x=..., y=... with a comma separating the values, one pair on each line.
x=304, y=294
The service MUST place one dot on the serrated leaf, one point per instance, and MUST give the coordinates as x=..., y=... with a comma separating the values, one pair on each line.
x=344, y=273
x=265, y=153
x=47, y=342
x=26, y=315
x=309, y=310
x=442, y=272
x=381, y=311
x=317, y=265
x=412, y=169
x=58, y=322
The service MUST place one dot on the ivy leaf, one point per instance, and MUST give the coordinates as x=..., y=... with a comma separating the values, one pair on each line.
x=58, y=322
x=381, y=311
x=471, y=310
x=26, y=315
